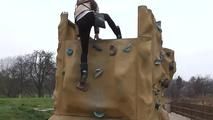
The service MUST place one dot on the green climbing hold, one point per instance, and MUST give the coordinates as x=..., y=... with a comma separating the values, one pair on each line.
x=128, y=48
x=69, y=51
x=158, y=24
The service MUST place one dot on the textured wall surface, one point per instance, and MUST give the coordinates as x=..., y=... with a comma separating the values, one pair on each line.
x=125, y=83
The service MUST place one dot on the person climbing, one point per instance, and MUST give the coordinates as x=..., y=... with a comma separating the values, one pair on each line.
x=85, y=14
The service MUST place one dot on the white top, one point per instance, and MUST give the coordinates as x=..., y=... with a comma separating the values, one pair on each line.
x=82, y=9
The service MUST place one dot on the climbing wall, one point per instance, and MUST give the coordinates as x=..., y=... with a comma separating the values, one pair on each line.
x=126, y=79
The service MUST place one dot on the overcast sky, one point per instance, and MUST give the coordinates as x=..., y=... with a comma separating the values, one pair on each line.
x=27, y=25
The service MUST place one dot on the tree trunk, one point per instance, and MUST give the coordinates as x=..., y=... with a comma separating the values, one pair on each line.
x=40, y=91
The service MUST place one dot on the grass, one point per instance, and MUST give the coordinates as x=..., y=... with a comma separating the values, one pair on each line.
x=23, y=108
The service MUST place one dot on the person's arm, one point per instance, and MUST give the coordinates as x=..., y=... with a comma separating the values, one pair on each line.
x=96, y=30
x=96, y=33
x=94, y=7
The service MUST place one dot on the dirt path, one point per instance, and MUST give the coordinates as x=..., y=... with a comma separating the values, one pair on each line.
x=174, y=116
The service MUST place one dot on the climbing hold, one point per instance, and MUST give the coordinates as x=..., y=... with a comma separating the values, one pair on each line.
x=161, y=56
x=63, y=73
x=128, y=48
x=172, y=66
x=161, y=42
x=113, y=50
x=165, y=83
x=98, y=114
x=157, y=62
x=98, y=72
x=168, y=54
x=158, y=24
x=96, y=47
x=69, y=51
x=156, y=92
x=157, y=106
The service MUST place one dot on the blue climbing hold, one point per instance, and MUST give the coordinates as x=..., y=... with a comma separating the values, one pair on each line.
x=69, y=51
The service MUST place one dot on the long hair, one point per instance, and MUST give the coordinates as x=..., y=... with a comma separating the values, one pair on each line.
x=93, y=4
x=82, y=1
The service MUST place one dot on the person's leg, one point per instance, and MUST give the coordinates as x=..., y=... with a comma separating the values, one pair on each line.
x=84, y=26
x=84, y=31
x=84, y=36
x=112, y=25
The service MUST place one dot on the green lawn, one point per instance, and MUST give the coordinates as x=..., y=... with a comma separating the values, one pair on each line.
x=25, y=108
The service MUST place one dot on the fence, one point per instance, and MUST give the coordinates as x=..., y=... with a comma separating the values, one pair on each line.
x=193, y=111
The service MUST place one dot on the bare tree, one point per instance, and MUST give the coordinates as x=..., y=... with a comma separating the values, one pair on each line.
x=21, y=70
x=27, y=75
x=199, y=85
x=196, y=87
x=7, y=79
x=41, y=64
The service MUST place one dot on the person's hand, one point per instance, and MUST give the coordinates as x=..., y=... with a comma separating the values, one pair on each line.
x=96, y=37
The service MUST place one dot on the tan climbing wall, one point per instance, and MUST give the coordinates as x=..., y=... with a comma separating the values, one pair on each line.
x=131, y=82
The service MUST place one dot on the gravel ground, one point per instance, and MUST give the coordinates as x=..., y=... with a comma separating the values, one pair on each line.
x=174, y=116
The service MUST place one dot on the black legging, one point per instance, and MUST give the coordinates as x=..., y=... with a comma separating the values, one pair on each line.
x=84, y=25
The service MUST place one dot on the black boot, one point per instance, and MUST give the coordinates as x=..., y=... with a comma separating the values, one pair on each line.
x=118, y=33
x=82, y=85
x=84, y=75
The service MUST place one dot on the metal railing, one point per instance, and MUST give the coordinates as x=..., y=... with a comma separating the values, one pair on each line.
x=193, y=111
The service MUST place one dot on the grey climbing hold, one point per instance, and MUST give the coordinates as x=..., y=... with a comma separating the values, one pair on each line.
x=98, y=114
x=157, y=61
x=98, y=72
x=69, y=51
x=128, y=48
x=158, y=24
